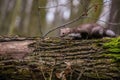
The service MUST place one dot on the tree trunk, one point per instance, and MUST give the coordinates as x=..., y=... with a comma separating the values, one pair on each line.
x=115, y=16
x=56, y=59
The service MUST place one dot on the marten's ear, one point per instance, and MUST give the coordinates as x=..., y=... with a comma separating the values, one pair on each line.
x=67, y=29
x=64, y=28
x=61, y=29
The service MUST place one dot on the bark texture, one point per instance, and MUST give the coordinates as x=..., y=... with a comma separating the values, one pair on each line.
x=60, y=59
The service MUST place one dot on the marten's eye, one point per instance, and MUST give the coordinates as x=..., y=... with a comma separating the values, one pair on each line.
x=63, y=33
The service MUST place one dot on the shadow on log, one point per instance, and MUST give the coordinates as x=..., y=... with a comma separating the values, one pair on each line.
x=58, y=59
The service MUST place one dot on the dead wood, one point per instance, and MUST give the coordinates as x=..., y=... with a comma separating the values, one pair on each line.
x=57, y=59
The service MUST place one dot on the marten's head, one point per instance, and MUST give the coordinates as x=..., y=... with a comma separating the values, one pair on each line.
x=64, y=31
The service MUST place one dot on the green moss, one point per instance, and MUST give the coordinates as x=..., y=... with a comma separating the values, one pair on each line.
x=113, y=48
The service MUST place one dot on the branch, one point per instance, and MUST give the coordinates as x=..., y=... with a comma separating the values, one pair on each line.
x=72, y=21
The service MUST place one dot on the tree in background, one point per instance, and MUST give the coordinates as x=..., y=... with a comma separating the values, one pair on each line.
x=114, y=19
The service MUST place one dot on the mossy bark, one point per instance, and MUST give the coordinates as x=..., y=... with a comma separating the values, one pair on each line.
x=62, y=59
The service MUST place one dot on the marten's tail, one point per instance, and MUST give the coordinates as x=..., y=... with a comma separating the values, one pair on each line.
x=110, y=33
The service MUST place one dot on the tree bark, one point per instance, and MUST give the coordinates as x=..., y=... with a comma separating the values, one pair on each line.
x=15, y=47
x=56, y=59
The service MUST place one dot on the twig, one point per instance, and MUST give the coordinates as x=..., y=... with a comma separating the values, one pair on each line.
x=72, y=21
x=81, y=73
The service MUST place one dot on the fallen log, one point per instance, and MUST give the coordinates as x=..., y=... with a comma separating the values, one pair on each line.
x=15, y=47
x=59, y=59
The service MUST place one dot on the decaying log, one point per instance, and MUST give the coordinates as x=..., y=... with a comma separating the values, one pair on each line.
x=57, y=59
x=15, y=47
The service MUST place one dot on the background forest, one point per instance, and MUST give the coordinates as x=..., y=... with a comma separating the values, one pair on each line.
x=37, y=17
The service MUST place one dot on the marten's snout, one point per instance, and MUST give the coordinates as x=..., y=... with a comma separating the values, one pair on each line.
x=62, y=34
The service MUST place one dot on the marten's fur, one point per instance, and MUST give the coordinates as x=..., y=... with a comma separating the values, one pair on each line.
x=87, y=31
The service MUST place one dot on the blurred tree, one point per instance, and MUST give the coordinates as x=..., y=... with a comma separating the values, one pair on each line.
x=93, y=14
x=6, y=8
x=14, y=17
x=37, y=19
x=115, y=16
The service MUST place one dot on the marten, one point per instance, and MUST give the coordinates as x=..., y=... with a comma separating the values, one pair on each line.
x=87, y=31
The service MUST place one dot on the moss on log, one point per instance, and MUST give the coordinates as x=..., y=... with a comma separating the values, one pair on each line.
x=65, y=59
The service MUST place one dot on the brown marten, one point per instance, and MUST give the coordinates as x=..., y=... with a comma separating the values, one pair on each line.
x=87, y=31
